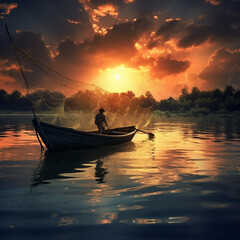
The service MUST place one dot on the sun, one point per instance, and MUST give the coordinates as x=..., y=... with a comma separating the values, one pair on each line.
x=122, y=79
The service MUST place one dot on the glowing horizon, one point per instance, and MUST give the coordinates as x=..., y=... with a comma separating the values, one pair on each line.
x=121, y=79
x=170, y=47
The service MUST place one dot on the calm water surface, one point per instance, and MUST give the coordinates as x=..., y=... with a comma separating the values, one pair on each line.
x=182, y=184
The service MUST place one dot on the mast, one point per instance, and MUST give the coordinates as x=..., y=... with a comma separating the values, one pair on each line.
x=25, y=79
x=18, y=60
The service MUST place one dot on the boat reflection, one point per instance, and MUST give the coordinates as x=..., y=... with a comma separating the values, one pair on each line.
x=59, y=165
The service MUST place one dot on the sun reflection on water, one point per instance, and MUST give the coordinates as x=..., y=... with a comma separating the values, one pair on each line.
x=169, y=220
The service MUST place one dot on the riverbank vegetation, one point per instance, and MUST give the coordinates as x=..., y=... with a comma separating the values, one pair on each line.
x=192, y=103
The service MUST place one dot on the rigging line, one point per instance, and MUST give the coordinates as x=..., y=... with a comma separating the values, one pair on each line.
x=36, y=62
x=14, y=58
x=18, y=60
x=20, y=67
x=62, y=75
x=41, y=69
x=33, y=62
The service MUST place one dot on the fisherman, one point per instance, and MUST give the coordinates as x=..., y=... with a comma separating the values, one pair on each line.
x=100, y=119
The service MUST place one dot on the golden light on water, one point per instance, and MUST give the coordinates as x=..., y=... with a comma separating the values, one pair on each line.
x=18, y=142
x=116, y=185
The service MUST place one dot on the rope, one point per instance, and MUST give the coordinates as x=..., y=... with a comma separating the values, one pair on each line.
x=51, y=102
x=36, y=62
x=42, y=148
x=18, y=60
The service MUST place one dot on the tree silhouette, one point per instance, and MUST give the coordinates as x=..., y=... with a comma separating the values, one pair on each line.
x=197, y=101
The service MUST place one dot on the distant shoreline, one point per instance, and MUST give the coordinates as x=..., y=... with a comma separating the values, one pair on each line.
x=219, y=114
x=156, y=114
x=16, y=113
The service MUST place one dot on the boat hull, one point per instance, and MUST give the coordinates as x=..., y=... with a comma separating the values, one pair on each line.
x=60, y=138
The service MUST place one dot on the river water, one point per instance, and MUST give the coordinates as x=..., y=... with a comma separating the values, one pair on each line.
x=182, y=184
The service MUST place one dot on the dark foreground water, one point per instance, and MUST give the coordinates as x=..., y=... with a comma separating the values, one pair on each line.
x=182, y=184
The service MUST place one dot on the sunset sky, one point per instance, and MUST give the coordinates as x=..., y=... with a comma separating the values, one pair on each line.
x=159, y=46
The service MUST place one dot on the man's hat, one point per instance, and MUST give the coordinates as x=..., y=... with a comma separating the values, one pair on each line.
x=101, y=110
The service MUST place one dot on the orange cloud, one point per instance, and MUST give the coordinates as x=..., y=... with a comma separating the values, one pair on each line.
x=74, y=22
x=104, y=10
x=165, y=66
x=223, y=68
x=7, y=82
x=162, y=56
x=128, y=1
x=97, y=11
x=214, y=2
x=6, y=8
x=125, y=44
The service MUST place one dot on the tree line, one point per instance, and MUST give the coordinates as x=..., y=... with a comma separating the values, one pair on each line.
x=203, y=102
x=195, y=101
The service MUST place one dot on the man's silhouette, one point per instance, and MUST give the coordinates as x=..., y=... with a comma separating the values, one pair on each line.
x=99, y=120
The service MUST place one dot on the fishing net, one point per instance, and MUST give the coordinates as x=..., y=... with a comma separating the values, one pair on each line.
x=62, y=101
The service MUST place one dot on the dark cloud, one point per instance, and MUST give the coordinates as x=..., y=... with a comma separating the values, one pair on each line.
x=221, y=28
x=184, y=9
x=122, y=37
x=116, y=47
x=166, y=66
x=223, y=69
x=69, y=27
x=196, y=35
x=162, y=66
x=83, y=60
x=34, y=45
x=31, y=42
x=74, y=59
x=51, y=19
x=56, y=19
x=97, y=3
x=171, y=28
x=105, y=13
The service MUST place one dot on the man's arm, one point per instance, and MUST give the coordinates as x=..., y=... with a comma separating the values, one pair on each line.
x=105, y=121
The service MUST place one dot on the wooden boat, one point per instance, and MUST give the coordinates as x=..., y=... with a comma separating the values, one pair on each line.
x=62, y=138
